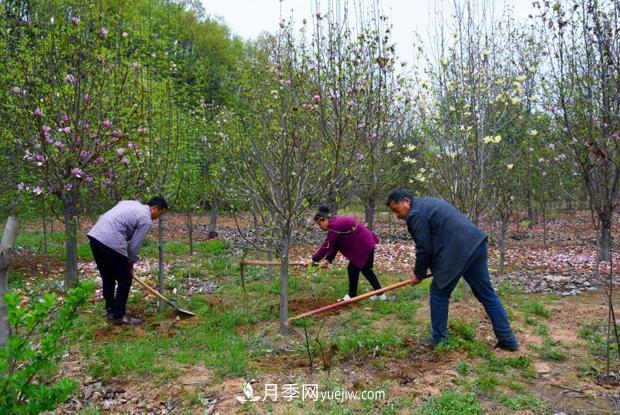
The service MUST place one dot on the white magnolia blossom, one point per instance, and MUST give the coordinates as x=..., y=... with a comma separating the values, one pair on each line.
x=490, y=139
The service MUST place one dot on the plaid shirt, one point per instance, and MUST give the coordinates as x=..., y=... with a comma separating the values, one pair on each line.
x=123, y=228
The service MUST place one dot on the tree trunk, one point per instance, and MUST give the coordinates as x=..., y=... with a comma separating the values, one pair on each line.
x=503, y=227
x=44, y=216
x=270, y=267
x=285, y=248
x=369, y=213
x=6, y=247
x=190, y=230
x=543, y=208
x=160, y=248
x=332, y=203
x=604, y=241
x=531, y=212
x=70, y=215
x=213, y=220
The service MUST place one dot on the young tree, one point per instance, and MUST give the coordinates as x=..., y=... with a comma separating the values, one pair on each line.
x=279, y=159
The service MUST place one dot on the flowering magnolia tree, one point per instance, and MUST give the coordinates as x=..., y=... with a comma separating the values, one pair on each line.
x=472, y=91
x=278, y=163
x=584, y=100
x=74, y=110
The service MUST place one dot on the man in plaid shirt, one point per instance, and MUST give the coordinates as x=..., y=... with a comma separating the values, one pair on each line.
x=115, y=241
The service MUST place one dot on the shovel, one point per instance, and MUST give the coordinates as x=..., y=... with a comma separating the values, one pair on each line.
x=350, y=301
x=181, y=311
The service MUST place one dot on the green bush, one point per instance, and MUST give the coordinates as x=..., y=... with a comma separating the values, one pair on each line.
x=28, y=361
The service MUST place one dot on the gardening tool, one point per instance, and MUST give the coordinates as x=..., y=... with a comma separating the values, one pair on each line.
x=243, y=262
x=350, y=301
x=181, y=311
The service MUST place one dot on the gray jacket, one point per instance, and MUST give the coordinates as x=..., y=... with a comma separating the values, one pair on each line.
x=445, y=239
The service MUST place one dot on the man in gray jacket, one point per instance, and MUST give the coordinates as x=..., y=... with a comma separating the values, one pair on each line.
x=450, y=246
x=115, y=241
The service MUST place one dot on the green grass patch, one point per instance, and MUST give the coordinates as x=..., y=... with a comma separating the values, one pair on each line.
x=366, y=341
x=535, y=307
x=452, y=403
x=595, y=334
x=521, y=402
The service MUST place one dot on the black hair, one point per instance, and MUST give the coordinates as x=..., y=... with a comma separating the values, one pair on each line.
x=323, y=213
x=398, y=195
x=158, y=201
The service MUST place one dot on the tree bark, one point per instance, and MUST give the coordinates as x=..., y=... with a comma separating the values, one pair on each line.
x=604, y=242
x=70, y=215
x=6, y=247
x=160, y=248
x=44, y=215
x=213, y=220
x=369, y=214
x=503, y=227
x=190, y=230
x=531, y=212
x=332, y=203
x=285, y=248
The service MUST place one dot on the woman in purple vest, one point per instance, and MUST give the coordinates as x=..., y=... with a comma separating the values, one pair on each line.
x=354, y=241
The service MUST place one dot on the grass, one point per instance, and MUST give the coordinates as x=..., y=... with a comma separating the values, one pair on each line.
x=452, y=403
x=595, y=334
x=535, y=308
x=373, y=334
x=35, y=243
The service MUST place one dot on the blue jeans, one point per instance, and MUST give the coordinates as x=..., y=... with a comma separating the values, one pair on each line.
x=476, y=274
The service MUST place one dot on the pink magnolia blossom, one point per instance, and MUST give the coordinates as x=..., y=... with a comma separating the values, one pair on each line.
x=103, y=32
x=117, y=133
x=16, y=90
x=88, y=179
x=58, y=144
x=38, y=112
x=77, y=172
x=120, y=151
x=68, y=187
x=84, y=154
x=75, y=20
x=37, y=190
x=98, y=160
x=21, y=186
x=45, y=131
x=107, y=124
x=70, y=78
x=66, y=118
x=125, y=161
x=39, y=159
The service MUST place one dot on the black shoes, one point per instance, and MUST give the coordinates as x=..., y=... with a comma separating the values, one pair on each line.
x=511, y=345
x=126, y=320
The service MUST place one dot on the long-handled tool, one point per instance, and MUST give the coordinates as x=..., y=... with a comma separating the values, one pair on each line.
x=350, y=301
x=157, y=294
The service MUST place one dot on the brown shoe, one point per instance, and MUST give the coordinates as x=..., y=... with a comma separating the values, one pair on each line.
x=126, y=320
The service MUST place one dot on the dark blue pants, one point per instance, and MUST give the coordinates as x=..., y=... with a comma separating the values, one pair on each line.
x=476, y=274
